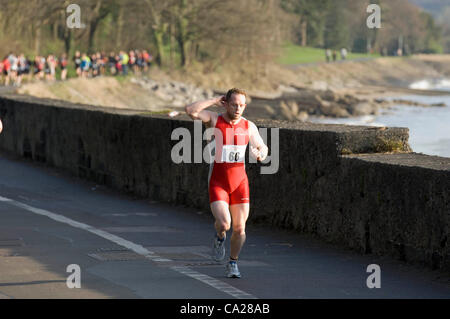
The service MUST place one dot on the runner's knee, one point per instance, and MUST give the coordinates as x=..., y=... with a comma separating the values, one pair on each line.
x=239, y=229
x=223, y=225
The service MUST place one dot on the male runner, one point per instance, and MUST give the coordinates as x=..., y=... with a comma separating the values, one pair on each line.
x=229, y=195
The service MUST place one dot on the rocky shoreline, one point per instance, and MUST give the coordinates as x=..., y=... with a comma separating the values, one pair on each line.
x=328, y=103
x=175, y=93
x=293, y=104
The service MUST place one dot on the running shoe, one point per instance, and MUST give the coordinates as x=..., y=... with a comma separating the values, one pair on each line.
x=219, y=249
x=233, y=270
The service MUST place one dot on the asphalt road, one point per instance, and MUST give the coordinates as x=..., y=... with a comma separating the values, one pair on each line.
x=133, y=248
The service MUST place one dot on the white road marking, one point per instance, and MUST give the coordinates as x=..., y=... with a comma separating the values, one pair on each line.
x=2, y=296
x=215, y=283
x=224, y=287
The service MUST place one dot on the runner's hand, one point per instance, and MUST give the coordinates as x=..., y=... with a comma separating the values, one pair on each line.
x=221, y=101
x=256, y=153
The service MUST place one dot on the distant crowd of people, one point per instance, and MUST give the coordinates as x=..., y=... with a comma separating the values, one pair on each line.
x=14, y=68
x=115, y=63
x=332, y=55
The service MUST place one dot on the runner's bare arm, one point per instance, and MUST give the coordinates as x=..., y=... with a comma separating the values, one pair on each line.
x=197, y=110
x=257, y=146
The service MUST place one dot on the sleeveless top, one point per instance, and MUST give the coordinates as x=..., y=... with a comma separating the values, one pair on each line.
x=230, y=143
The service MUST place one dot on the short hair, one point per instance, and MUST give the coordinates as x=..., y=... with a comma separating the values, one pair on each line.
x=235, y=91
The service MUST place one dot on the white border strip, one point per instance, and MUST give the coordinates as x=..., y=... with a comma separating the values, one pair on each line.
x=217, y=284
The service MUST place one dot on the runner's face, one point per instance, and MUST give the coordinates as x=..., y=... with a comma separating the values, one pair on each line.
x=236, y=106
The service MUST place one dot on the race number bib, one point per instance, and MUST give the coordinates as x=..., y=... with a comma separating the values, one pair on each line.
x=233, y=153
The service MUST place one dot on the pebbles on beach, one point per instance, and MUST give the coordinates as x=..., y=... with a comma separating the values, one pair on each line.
x=176, y=93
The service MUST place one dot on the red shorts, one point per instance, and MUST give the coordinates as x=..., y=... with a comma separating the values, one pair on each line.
x=240, y=195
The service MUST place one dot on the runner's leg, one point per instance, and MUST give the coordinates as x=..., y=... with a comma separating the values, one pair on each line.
x=239, y=216
x=221, y=213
